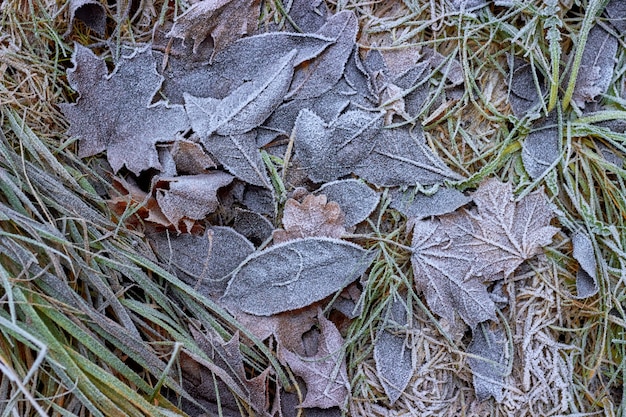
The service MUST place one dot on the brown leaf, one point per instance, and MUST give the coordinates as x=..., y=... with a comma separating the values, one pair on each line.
x=190, y=196
x=224, y=20
x=313, y=217
x=190, y=158
x=325, y=372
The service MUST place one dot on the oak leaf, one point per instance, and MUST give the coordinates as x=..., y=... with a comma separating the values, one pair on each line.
x=114, y=113
x=315, y=216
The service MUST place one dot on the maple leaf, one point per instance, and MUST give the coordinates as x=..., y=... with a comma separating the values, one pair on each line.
x=295, y=274
x=114, y=113
x=313, y=217
x=225, y=20
x=446, y=276
x=325, y=372
x=502, y=233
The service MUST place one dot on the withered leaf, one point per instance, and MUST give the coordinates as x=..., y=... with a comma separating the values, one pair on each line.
x=503, y=233
x=325, y=372
x=240, y=156
x=331, y=151
x=205, y=261
x=225, y=21
x=596, y=69
x=114, y=113
x=190, y=158
x=446, y=278
x=244, y=60
x=540, y=149
x=246, y=107
x=356, y=199
x=417, y=205
x=401, y=158
x=489, y=363
x=315, y=216
x=294, y=274
x=586, y=279
x=91, y=12
x=190, y=196
x=392, y=355
x=325, y=70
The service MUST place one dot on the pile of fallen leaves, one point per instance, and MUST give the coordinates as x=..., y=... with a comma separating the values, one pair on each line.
x=284, y=172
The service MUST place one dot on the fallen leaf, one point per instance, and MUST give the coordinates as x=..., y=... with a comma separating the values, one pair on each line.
x=523, y=95
x=452, y=68
x=489, y=362
x=417, y=205
x=586, y=279
x=357, y=76
x=356, y=199
x=114, y=113
x=243, y=109
x=252, y=225
x=309, y=15
x=467, y=5
x=204, y=262
x=328, y=152
x=540, y=149
x=189, y=196
x=190, y=158
x=224, y=20
x=294, y=274
x=616, y=11
x=596, y=68
x=325, y=372
x=325, y=70
x=446, y=276
x=313, y=217
x=91, y=12
x=240, y=156
x=393, y=357
x=401, y=158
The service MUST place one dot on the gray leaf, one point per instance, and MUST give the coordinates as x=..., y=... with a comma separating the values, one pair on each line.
x=204, y=262
x=295, y=274
x=356, y=199
x=490, y=366
x=401, y=158
x=240, y=156
x=586, y=279
x=241, y=61
x=392, y=355
x=414, y=204
x=245, y=108
x=90, y=12
x=325, y=70
x=540, y=149
x=616, y=10
x=252, y=225
x=260, y=200
x=524, y=95
x=331, y=151
x=596, y=69
x=446, y=277
x=309, y=15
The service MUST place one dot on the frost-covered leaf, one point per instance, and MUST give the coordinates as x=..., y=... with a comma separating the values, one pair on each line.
x=393, y=357
x=204, y=262
x=328, y=152
x=616, y=10
x=502, y=233
x=252, y=225
x=356, y=199
x=325, y=372
x=190, y=158
x=294, y=274
x=540, y=149
x=417, y=205
x=489, y=363
x=321, y=74
x=309, y=15
x=452, y=67
x=224, y=20
x=90, y=12
x=596, y=69
x=190, y=196
x=240, y=156
x=244, y=60
x=467, y=5
x=524, y=95
x=586, y=279
x=246, y=107
x=401, y=158
x=114, y=113
x=315, y=216
x=446, y=277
